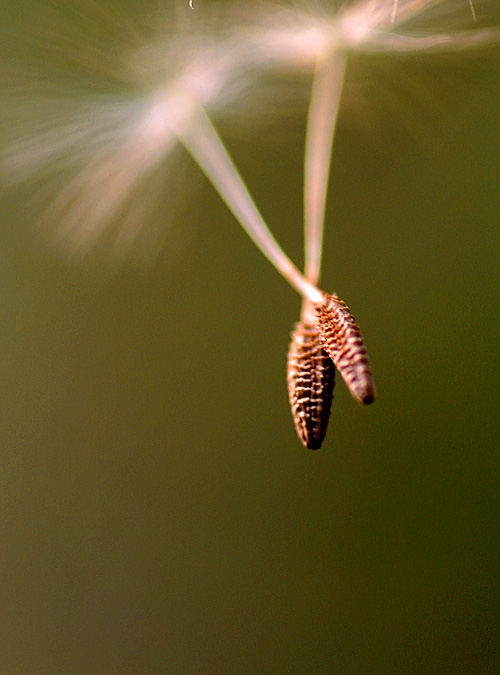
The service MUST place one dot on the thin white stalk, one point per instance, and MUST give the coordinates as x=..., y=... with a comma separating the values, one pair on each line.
x=205, y=145
x=473, y=11
x=322, y=117
x=394, y=11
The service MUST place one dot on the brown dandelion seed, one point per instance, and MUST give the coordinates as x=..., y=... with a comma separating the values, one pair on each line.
x=343, y=341
x=311, y=379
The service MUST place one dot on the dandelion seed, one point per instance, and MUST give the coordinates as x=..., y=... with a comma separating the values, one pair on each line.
x=344, y=344
x=311, y=380
x=112, y=146
x=338, y=330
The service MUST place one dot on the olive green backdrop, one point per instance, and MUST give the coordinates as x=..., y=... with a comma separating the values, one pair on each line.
x=157, y=511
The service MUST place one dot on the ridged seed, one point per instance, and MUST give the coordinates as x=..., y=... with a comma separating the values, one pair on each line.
x=311, y=379
x=342, y=340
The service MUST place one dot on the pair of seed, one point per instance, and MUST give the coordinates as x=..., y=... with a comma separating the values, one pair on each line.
x=333, y=342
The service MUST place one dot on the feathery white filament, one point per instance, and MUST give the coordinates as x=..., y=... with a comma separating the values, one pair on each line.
x=443, y=42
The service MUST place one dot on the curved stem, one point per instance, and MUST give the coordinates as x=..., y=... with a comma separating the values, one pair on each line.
x=322, y=117
x=203, y=142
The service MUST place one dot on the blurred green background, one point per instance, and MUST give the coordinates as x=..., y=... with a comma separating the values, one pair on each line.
x=157, y=511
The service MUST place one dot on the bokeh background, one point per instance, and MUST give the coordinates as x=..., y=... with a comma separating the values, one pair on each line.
x=158, y=513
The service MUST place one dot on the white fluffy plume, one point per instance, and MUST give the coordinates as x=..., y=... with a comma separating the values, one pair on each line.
x=98, y=100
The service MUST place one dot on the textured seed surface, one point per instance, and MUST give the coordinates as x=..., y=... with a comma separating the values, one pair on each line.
x=311, y=378
x=342, y=339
